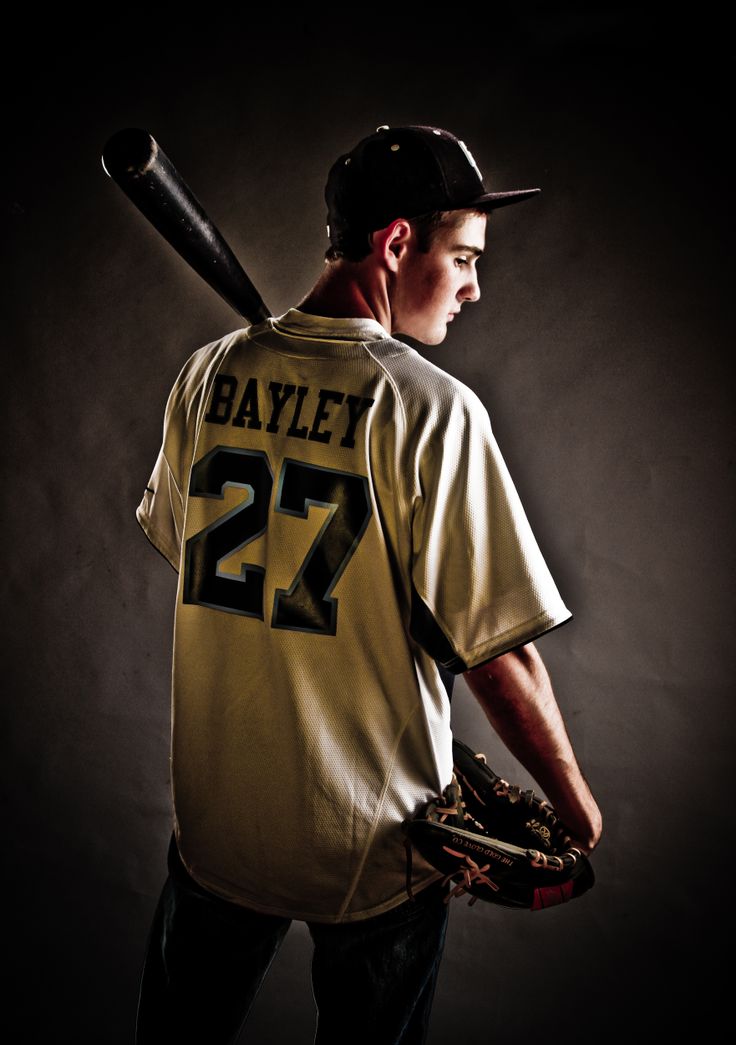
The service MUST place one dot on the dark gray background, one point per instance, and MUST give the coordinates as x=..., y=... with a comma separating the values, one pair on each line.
x=601, y=347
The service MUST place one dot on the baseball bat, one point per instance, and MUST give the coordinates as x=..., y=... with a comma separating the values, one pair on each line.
x=138, y=164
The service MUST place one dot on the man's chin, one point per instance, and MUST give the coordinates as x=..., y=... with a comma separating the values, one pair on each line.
x=435, y=336
x=439, y=337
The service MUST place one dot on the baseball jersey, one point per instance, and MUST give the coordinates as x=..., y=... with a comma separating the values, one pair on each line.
x=342, y=521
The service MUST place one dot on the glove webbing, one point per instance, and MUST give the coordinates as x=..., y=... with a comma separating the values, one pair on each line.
x=550, y=829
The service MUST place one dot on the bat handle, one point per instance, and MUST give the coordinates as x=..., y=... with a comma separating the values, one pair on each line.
x=138, y=164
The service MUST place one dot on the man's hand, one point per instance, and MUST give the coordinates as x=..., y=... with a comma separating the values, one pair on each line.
x=516, y=695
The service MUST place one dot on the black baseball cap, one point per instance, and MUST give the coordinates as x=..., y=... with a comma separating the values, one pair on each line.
x=402, y=172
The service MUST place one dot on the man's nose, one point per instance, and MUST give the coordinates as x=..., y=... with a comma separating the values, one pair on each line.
x=471, y=289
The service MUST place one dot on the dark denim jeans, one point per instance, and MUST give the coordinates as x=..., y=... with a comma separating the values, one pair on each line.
x=373, y=980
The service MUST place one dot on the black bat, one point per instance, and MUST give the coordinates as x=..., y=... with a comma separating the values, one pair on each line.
x=135, y=160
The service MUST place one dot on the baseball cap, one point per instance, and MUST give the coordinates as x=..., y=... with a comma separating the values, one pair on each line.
x=402, y=172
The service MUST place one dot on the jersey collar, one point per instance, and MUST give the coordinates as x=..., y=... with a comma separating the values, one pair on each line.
x=328, y=328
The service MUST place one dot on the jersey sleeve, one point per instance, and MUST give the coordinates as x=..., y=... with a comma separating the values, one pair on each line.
x=480, y=586
x=161, y=510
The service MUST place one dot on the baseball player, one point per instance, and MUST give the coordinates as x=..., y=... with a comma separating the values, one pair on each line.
x=348, y=539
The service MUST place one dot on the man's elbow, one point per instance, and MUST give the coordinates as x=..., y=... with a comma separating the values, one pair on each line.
x=513, y=673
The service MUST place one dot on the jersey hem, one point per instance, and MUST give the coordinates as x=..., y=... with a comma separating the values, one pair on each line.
x=299, y=914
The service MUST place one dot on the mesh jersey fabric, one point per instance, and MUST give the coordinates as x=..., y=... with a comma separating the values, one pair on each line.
x=342, y=520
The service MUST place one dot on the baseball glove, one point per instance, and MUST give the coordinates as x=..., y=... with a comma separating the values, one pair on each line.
x=497, y=842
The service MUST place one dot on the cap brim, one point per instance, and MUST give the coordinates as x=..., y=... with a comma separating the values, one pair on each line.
x=494, y=200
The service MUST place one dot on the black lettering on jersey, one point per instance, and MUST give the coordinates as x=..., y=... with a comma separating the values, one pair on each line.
x=320, y=414
x=307, y=604
x=357, y=406
x=280, y=395
x=293, y=431
x=223, y=394
x=248, y=407
x=205, y=584
x=296, y=433
x=285, y=398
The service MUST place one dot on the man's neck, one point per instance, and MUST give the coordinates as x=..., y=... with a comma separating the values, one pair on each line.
x=349, y=290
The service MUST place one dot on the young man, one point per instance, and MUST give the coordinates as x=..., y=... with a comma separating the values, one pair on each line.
x=347, y=536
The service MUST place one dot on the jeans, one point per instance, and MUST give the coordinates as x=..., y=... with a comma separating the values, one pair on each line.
x=373, y=980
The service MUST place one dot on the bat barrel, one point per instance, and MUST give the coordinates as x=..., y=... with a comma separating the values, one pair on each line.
x=136, y=162
x=128, y=154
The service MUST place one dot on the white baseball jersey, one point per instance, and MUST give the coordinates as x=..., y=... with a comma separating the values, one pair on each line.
x=341, y=519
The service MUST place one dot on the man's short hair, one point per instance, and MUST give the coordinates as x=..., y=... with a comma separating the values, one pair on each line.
x=355, y=246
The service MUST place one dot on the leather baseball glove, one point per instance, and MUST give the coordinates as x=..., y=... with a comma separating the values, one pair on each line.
x=497, y=842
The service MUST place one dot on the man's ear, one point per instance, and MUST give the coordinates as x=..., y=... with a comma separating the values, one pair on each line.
x=391, y=243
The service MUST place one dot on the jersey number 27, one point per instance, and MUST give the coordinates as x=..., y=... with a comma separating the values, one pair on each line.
x=307, y=604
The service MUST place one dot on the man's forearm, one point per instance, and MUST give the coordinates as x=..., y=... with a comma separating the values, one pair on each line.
x=516, y=695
